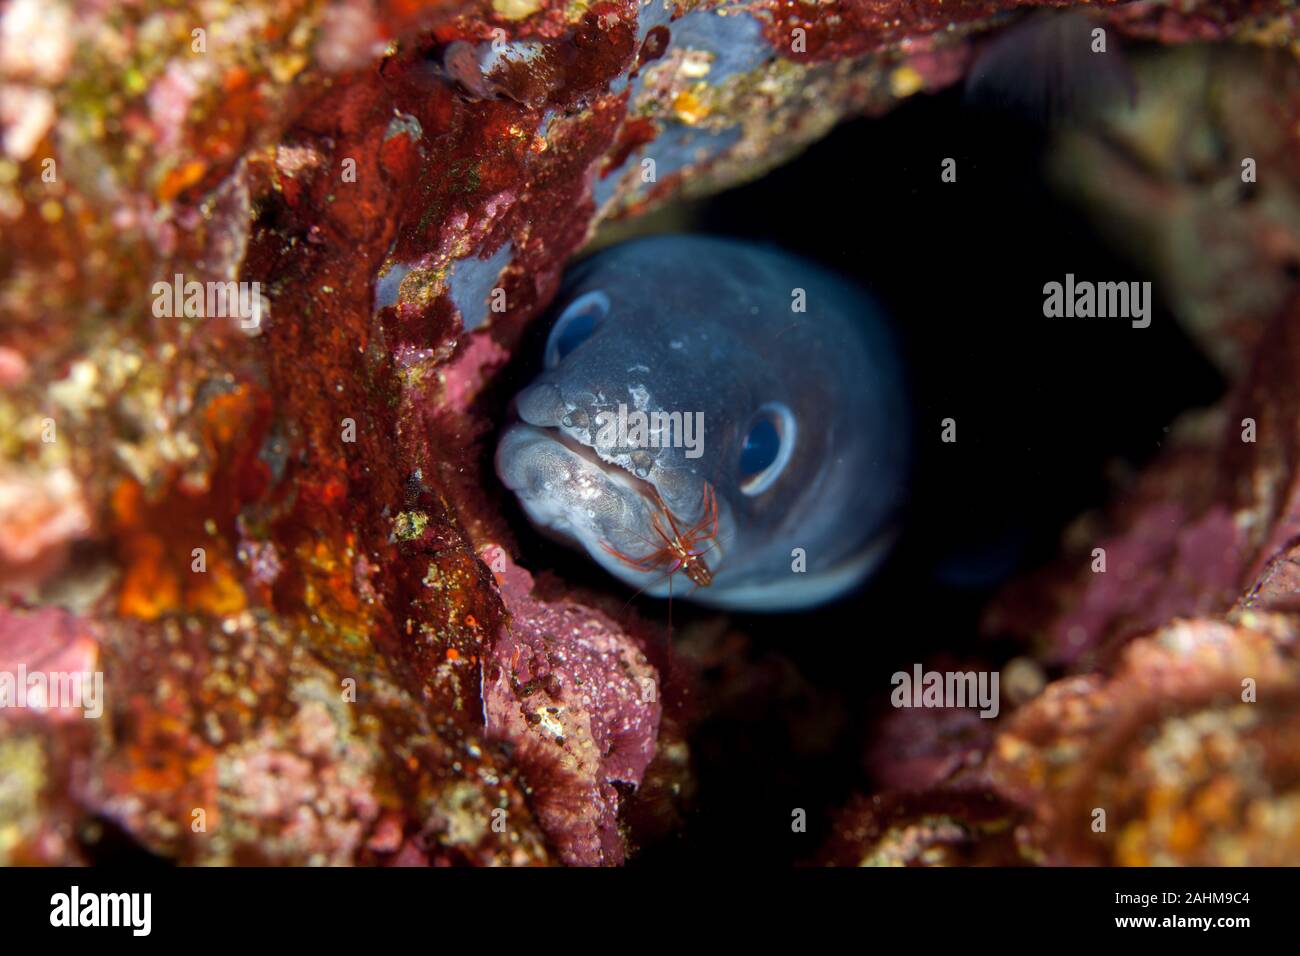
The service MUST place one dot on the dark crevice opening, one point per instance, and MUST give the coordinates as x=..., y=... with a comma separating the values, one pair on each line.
x=1043, y=409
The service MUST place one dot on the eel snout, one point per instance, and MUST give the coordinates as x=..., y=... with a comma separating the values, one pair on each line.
x=568, y=489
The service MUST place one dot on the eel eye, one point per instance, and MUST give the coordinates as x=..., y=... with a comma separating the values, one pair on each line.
x=767, y=448
x=575, y=325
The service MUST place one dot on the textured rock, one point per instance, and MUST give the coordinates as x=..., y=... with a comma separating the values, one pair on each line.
x=1185, y=770
x=578, y=700
x=268, y=534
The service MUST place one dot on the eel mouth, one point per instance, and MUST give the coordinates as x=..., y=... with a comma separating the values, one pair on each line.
x=616, y=472
x=572, y=493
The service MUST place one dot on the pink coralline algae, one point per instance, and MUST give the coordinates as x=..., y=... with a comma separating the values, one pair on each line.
x=46, y=641
x=579, y=702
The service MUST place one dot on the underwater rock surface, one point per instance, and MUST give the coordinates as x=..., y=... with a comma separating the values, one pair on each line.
x=273, y=533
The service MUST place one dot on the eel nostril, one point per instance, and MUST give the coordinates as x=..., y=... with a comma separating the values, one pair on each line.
x=540, y=405
x=576, y=419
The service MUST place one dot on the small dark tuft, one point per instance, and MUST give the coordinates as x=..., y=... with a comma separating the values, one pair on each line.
x=1044, y=69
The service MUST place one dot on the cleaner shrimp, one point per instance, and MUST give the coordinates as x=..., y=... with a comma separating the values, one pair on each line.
x=680, y=550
